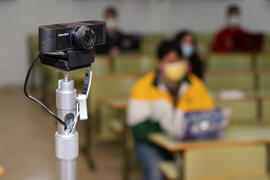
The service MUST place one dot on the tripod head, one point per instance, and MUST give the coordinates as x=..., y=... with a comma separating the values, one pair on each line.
x=68, y=60
x=73, y=106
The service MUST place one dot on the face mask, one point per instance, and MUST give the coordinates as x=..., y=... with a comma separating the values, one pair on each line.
x=234, y=20
x=187, y=50
x=175, y=71
x=111, y=23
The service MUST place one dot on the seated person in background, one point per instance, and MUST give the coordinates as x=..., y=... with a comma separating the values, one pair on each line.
x=186, y=42
x=113, y=35
x=158, y=103
x=225, y=39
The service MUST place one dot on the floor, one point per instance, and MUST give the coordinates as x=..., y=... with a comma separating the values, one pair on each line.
x=27, y=144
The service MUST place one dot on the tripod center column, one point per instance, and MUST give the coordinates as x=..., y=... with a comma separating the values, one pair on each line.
x=66, y=142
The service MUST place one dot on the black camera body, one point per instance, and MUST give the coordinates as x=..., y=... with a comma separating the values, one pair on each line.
x=69, y=46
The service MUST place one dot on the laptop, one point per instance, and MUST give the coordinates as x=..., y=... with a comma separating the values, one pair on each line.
x=209, y=124
x=130, y=43
x=248, y=42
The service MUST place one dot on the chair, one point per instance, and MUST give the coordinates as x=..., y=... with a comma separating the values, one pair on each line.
x=231, y=162
x=266, y=44
x=134, y=63
x=244, y=110
x=263, y=61
x=33, y=45
x=234, y=163
x=265, y=106
x=264, y=81
x=229, y=62
x=110, y=123
x=244, y=81
x=101, y=66
x=48, y=75
x=107, y=86
x=32, y=52
x=204, y=43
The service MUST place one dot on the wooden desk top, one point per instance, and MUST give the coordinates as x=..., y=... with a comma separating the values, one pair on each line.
x=240, y=135
x=115, y=102
x=120, y=102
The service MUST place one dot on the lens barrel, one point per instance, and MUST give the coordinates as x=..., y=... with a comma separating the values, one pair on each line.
x=83, y=38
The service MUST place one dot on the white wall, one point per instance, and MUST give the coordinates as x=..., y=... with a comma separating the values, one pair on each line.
x=21, y=17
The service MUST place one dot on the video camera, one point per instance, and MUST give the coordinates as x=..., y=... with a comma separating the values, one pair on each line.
x=69, y=46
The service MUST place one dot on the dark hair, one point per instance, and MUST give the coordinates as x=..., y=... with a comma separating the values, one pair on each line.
x=180, y=35
x=165, y=47
x=111, y=10
x=197, y=67
x=232, y=8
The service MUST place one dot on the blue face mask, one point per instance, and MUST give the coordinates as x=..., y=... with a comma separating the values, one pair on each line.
x=187, y=50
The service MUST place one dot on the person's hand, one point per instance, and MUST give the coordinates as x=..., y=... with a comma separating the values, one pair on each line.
x=227, y=113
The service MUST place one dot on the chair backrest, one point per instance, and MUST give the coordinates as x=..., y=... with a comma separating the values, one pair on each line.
x=263, y=61
x=234, y=163
x=229, y=62
x=204, y=43
x=244, y=81
x=264, y=81
x=49, y=76
x=244, y=110
x=101, y=65
x=110, y=85
x=265, y=106
x=33, y=45
x=266, y=44
x=150, y=42
x=134, y=63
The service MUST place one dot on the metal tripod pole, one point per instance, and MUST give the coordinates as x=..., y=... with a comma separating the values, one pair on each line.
x=66, y=142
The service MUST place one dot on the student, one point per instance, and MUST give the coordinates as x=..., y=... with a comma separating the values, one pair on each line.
x=158, y=102
x=113, y=35
x=225, y=39
x=186, y=42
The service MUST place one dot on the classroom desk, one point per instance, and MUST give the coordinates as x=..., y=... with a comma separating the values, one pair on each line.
x=119, y=104
x=235, y=136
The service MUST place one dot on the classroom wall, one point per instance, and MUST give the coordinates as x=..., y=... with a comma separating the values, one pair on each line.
x=18, y=18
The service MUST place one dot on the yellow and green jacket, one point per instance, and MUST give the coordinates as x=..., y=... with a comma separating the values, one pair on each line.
x=152, y=108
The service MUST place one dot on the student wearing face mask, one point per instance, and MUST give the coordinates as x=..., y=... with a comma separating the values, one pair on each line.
x=225, y=39
x=158, y=102
x=186, y=43
x=113, y=35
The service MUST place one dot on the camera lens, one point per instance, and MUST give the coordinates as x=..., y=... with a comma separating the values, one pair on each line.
x=84, y=38
x=88, y=38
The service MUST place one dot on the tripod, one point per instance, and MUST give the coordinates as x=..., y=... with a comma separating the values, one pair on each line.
x=69, y=108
